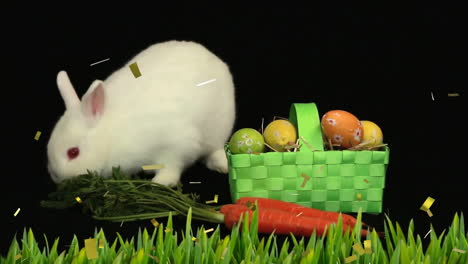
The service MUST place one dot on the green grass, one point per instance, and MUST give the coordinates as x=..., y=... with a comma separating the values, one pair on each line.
x=244, y=246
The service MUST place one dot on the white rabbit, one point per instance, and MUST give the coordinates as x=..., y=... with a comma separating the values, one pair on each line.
x=161, y=117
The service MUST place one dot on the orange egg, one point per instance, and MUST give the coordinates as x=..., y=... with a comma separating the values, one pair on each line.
x=342, y=128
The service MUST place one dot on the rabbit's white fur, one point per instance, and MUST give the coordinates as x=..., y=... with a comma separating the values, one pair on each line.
x=161, y=117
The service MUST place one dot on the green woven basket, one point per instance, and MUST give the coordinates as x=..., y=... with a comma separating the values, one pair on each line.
x=340, y=180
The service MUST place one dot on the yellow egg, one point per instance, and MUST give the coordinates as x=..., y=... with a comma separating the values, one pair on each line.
x=279, y=133
x=371, y=133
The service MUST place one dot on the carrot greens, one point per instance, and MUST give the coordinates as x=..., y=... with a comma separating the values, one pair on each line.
x=128, y=198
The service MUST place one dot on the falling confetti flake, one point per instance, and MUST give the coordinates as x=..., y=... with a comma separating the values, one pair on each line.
x=426, y=205
x=209, y=230
x=18, y=256
x=429, y=213
x=99, y=62
x=152, y=167
x=359, y=249
x=215, y=200
x=154, y=222
x=17, y=211
x=453, y=94
x=459, y=250
x=195, y=182
x=299, y=214
x=203, y=83
x=367, y=246
x=38, y=134
x=135, y=70
x=427, y=233
x=78, y=199
x=432, y=95
x=101, y=243
x=350, y=259
x=90, y=247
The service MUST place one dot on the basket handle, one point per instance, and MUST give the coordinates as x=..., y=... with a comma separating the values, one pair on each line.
x=306, y=118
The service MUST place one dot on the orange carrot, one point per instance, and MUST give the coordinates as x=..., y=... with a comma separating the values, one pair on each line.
x=280, y=222
x=296, y=209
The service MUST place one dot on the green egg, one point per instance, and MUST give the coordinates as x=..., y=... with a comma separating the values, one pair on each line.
x=246, y=141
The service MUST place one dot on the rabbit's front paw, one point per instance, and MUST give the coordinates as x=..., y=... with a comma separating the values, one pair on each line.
x=167, y=177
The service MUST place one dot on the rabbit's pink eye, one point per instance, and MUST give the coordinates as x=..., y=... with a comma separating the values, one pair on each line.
x=73, y=152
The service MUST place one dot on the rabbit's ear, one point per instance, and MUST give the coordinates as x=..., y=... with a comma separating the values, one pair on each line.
x=66, y=90
x=93, y=103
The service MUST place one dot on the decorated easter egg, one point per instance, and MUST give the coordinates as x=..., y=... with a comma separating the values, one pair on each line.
x=342, y=128
x=280, y=133
x=371, y=133
x=246, y=140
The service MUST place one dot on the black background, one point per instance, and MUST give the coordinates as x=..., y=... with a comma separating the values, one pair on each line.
x=380, y=63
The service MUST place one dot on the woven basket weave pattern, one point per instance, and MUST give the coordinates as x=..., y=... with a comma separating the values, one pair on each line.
x=336, y=178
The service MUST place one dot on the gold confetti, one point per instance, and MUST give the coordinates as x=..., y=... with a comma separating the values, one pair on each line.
x=350, y=259
x=429, y=213
x=78, y=199
x=154, y=257
x=18, y=256
x=16, y=213
x=367, y=246
x=195, y=182
x=359, y=196
x=427, y=204
x=168, y=229
x=459, y=250
x=453, y=94
x=215, y=200
x=101, y=243
x=209, y=230
x=299, y=214
x=121, y=224
x=366, y=181
x=306, y=179
x=359, y=249
x=90, y=246
x=195, y=239
x=135, y=70
x=155, y=223
x=152, y=167
x=38, y=134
